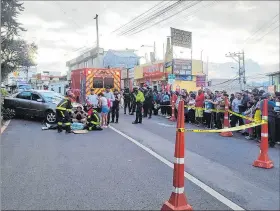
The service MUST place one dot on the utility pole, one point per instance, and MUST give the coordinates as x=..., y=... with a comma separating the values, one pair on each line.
x=97, y=34
x=155, y=50
x=240, y=59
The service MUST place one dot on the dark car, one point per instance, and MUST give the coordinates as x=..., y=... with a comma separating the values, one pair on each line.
x=35, y=103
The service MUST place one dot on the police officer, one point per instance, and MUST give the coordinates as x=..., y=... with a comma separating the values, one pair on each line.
x=63, y=113
x=93, y=121
x=139, y=99
x=116, y=106
x=126, y=98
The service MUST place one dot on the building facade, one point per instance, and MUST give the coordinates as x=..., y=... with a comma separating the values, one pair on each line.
x=274, y=82
x=91, y=59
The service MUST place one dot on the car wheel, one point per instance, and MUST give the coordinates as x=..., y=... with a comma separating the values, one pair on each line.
x=50, y=117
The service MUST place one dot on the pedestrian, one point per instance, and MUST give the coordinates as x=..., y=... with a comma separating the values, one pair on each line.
x=111, y=98
x=116, y=106
x=199, y=104
x=139, y=99
x=191, y=109
x=126, y=98
x=236, y=104
x=103, y=103
x=208, y=111
x=149, y=103
x=132, y=102
x=63, y=113
x=92, y=99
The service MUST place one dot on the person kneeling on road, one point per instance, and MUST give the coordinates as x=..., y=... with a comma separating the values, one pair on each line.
x=139, y=99
x=79, y=115
x=93, y=121
x=63, y=113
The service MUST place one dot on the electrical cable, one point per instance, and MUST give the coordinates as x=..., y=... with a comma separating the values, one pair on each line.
x=189, y=6
x=137, y=17
x=267, y=33
x=154, y=16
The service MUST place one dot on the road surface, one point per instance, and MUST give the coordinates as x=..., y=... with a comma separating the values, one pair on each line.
x=114, y=169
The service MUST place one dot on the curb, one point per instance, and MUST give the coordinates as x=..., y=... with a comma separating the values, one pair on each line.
x=4, y=126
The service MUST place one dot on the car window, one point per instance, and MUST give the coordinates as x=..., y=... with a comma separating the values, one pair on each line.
x=35, y=97
x=24, y=95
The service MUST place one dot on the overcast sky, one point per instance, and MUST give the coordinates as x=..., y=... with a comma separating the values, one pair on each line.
x=60, y=28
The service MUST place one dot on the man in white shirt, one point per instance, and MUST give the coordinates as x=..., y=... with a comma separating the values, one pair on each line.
x=110, y=96
x=93, y=99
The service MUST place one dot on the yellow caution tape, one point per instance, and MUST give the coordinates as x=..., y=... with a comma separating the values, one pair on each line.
x=181, y=129
x=241, y=116
x=242, y=127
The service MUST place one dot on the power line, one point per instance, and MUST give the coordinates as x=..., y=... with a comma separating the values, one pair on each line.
x=189, y=6
x=154, y=16
x=137, y=17
x=265, y=25
x=268, y=33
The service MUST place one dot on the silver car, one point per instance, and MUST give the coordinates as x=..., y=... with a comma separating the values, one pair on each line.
x=34, y=103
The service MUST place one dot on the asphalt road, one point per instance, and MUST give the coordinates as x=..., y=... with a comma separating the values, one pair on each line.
x=225, y=164
x=101, y=170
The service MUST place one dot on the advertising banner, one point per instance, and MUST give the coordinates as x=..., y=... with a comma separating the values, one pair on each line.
x=154, y=70
x=182, y=67
x=181, y=38
x=184, y=78
x=200, y=81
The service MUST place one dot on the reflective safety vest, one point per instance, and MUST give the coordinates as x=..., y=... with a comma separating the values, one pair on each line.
x=64, y=105
x=94, y=118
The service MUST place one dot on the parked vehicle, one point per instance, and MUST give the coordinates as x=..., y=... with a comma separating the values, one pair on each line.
x=34, y=103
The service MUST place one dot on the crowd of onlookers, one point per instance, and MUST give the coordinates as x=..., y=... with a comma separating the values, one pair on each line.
x=206, y=109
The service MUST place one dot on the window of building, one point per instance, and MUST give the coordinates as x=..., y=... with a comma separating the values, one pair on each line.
x=97, y=82
x=59, y=89
x=86, y=64
x=109, y=82
x=24, y=95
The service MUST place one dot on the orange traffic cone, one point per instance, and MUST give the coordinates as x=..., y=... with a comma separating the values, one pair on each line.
x=226, y=121
x=263, y=160
x=178, y=199
x=173, y=119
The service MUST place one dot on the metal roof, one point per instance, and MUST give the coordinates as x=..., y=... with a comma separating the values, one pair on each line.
x=273, y=73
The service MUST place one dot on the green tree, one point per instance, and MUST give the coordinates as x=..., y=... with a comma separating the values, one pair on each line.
x=15, y=52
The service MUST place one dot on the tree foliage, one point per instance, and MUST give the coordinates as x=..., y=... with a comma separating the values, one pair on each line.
x=15, y=52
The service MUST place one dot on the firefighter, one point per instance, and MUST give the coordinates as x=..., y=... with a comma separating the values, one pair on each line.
x=63, y=113
x=116, y=106
x=126, y=98
x=139, y=99
x=93, y=121
x=132, y=102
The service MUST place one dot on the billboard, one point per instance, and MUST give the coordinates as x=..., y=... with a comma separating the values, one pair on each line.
x=182, y=67
x=181, y=38
x=200, y=81
x=154, y=70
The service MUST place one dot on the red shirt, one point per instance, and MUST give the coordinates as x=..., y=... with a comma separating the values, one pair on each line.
x=199, y=100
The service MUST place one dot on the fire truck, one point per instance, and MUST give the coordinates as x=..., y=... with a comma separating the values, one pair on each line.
x=97, y=78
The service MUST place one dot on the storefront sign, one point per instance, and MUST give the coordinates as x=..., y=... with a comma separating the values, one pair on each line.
x=182, y=67
x=184, y=78
x=181, y=38
x=200, y=81
x=155, y=70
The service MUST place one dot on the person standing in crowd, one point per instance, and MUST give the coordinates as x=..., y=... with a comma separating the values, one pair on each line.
x=110, y=98
x=103, y=103
x=149, y=103
x=92, y=99
x=63, y=113
x=145, y=107
x=199, y=103
x=165, y=103
x=208, y=111
x=139, y=100
x=191, y=109
x=116, y=106
x=132, y=103
x=220, y=106
x=126, y=98
x=236, y=103
x=271, y=118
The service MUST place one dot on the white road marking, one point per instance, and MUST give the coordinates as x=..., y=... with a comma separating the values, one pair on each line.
x=194, y=180
x=3, y=128
x=165, y=125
